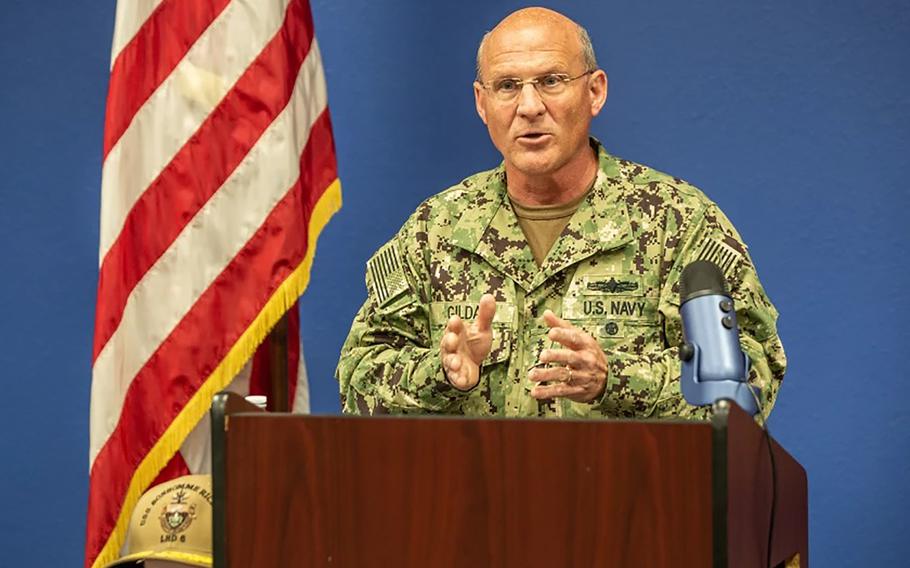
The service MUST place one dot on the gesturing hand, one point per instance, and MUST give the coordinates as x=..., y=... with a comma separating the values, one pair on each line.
x=581, y=373
x=463, y=348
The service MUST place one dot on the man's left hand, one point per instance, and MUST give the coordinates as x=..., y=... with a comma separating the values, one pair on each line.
x=580, y=373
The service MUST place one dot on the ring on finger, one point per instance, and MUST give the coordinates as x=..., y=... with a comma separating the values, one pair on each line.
x=569, y=379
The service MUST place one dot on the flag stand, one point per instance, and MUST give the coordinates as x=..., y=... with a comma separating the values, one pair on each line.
x=278, y=367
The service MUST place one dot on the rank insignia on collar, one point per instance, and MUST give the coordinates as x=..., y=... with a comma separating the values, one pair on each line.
x=613, y=286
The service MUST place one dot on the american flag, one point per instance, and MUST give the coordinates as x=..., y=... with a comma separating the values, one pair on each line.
x=219, y=173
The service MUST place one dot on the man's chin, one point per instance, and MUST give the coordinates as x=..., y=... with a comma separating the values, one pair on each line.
x=534, y=163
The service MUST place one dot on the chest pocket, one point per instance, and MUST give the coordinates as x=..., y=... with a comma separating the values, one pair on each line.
x=502, y=326
x=616, y=309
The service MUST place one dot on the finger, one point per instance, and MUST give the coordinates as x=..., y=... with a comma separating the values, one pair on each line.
x=449, y=342
x=547, y=374
x=451, y=364
x=485, y=312
x=551, y=320
x=558, y=374
x=455, y=325
x=457, y=379
x=561, y=356
x=541, y=392
x=571, y=337
x=461, y=378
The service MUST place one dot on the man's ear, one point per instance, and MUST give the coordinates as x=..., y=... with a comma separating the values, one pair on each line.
x=598, y=90
x=478, y=101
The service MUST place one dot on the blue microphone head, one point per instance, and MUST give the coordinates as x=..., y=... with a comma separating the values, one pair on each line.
x=713, y=364
x=701, y=278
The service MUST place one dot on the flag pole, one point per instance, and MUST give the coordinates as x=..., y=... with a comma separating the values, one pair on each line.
x=278, y=367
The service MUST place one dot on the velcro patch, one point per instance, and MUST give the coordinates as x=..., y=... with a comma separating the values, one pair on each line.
x=721, y=254
x=387, y=274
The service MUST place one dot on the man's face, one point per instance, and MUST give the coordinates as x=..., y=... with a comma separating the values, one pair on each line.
x=538, y=134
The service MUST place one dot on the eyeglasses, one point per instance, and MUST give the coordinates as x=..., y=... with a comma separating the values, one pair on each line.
x=507, y=88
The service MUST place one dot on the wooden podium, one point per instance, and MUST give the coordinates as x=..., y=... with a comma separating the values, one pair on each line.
x=295, y=491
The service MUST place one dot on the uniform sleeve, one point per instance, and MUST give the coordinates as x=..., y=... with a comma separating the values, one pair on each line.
x=388, y=364
x=652, y=376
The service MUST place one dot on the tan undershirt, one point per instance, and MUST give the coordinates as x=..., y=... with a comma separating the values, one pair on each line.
x=542, y=224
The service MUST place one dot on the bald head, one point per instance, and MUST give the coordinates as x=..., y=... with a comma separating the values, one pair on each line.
x=535, y=17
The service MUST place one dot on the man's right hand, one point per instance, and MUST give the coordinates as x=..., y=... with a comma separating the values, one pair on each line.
x=463, y=348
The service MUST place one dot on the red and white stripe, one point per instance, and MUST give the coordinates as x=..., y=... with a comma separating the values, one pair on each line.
x=219, y=172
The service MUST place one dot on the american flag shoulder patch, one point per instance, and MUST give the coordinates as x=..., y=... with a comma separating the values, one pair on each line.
x=386, y=274
x=720, y=253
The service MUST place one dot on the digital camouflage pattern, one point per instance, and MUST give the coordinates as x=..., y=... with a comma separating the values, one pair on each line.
x=614, y=272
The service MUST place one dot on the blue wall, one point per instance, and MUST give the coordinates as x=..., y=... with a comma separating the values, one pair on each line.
x=793, y=116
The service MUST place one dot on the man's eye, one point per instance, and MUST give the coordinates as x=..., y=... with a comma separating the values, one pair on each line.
x=506, y=85
x=550, y=81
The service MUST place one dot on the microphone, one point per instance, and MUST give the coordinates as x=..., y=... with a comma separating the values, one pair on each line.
x=714, y=366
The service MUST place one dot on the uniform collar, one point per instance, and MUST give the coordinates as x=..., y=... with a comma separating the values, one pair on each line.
x=490, y=229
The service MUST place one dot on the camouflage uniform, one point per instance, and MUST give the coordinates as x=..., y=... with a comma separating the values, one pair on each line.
x=613, y=272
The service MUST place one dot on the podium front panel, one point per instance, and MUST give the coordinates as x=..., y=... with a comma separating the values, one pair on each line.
x=344, y=491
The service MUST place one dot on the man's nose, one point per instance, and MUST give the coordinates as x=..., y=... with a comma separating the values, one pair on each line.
x=529, y=101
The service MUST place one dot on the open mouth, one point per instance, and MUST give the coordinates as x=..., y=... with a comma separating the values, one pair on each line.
x=533, y=136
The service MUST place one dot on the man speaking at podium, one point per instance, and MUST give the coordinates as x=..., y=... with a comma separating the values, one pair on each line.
x=548, y=286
